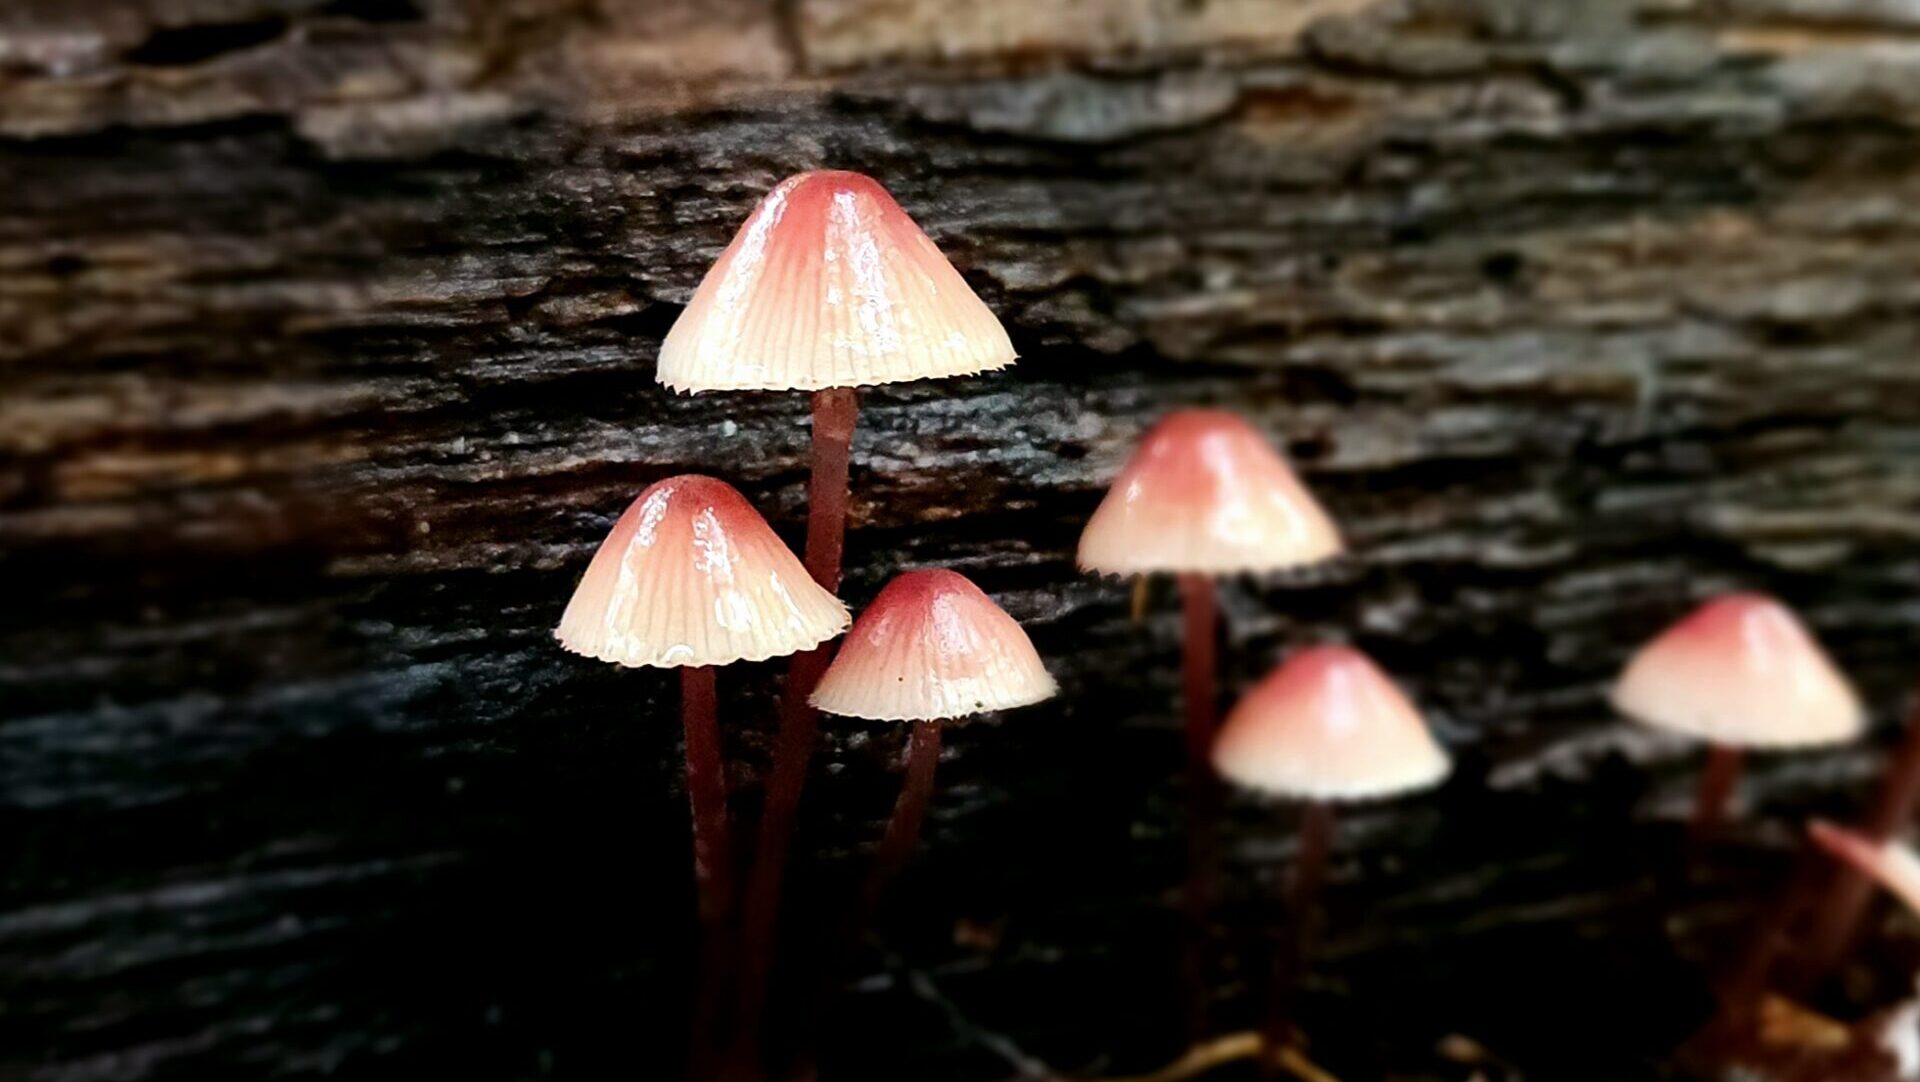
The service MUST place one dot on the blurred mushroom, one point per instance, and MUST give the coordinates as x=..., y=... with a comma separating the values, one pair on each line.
x=1739, y=672
x=828, y=286
x=930, y=648
x=1327, y=726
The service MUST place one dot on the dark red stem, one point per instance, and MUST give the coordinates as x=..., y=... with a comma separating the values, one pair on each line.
x=1717, y=781
x=909, y=812
x=1303, y=913
x=707, y=792
x=712, y=859
x=835, y=412
x=1198, y=690
x=1837, y=922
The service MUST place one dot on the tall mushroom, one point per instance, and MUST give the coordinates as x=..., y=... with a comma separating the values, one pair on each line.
x=1326, y=726
x=930, y=648
x=1204, y=496
x=828, y=286
x=692, y=577
x=1739, y=672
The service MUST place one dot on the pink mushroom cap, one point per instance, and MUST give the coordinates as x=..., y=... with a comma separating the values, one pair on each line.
x=1328, y=725
x=1205, y=493
x=829, y=284
x=692, y=575
x=932, y=646
x=1740, y=670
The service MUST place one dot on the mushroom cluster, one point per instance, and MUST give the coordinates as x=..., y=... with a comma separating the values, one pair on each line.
x=829, y=286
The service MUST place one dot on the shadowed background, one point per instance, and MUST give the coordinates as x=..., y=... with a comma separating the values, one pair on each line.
x=326, y=358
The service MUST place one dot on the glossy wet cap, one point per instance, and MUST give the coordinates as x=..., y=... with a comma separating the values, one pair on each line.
x=932, y=647
x=1206, y=493
x=1328, y=725
x=829, y=284
x=1740, y=670
x=1893, y=865
x=692, y=575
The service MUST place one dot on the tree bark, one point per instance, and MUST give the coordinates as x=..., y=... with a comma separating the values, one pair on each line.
x=326, y=359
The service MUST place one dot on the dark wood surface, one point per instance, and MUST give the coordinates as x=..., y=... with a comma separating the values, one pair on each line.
x=326, y=347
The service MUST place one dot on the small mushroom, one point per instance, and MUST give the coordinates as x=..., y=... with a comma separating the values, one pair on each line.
x=930, y=648
x=692, y=577
x=1205, y=496
x=1739, y=672
x=1327, y=726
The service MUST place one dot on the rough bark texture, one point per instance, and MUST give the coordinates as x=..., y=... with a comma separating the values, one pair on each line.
x=326, y=342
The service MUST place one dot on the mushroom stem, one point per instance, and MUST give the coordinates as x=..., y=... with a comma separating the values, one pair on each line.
x=835, y=412
x=712, y=857
x=1302, y=904
x=1197, y=600
x=903, y=830
x=1837, y=920
x=707, y=792
x=1717, y=781
x=1198, y=689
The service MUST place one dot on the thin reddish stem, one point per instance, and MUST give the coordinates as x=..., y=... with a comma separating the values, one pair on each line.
x=836, y=410
x=712, y=858
x=835, y=413
x=1717, y=782
x=909, y=812
x=707, y=793
x=1303, y=913
x=1200, y=623
x=1837, y=921
x=1197, y=678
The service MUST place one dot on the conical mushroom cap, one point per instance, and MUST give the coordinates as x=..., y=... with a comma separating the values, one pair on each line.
x=1205, y=493
x=1328, y=725
x=692, y=575
x=932, y=647
x=1740, y=670
x=829, y=284
x=1891, y=864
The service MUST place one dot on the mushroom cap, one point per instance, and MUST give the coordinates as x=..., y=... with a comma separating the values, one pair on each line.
x=829, y=284
x=692, y=575
x=1740, y=670
x=932, y=647
x=1205, y=493
x=1891, y=864
x=1327, y=724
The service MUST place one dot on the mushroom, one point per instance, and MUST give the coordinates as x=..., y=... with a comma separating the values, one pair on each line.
x=692, y=577
x=828, y=286
x=1326, y=726
x=930, y=648
x=1739, y=672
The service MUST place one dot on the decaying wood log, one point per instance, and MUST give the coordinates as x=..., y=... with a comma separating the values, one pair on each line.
x=326, y=340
